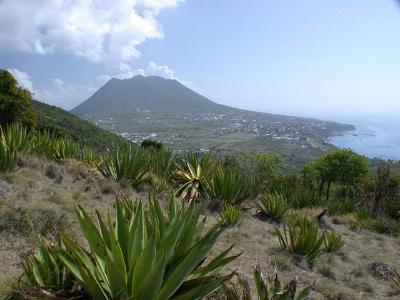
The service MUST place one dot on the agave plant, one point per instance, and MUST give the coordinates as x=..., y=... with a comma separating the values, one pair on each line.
x=272, y=206
x=16, y=136
x=45, y=274
x=159, y=164
x=228, y=186
x=143, y=254
x=333, y=241
x=267, y=288
x=126, y=163
x=42, y=144
x=8, y=158
x=230, y=215
x=302, y=238
x=192, y=172
x=65, y=149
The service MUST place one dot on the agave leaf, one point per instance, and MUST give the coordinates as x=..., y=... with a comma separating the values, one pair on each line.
x=148, y=287
x=177, y=275
x=197, y=289
x=218, y=262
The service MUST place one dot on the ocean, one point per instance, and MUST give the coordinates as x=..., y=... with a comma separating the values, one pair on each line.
x=374, y=137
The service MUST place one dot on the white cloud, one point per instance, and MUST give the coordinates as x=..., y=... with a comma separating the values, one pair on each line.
x=57, y=92
x=98, y=30
x=68, y=96
x=24, y=80
x=152, y=69
x=64, y=95
x=160, y=70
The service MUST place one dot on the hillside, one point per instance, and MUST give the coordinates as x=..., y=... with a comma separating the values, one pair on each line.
x=65, y=123
x=37, y=202
x=163, y=109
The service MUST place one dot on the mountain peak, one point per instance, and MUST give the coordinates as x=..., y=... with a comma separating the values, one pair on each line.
x=145, y=93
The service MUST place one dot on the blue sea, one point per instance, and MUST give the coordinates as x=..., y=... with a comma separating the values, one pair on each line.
x=374, y=137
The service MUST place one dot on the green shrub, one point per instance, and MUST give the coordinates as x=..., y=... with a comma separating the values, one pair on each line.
x=146, y=255
x=339, y=206
x=15, y=102
x=228, y=186
x=267, y=288
x=126, y=163
x=230, y=215
x=303, y=239
x=272, y=206
x=304, y=198
x=381, y=224
x=333, y=241
x=157, y=145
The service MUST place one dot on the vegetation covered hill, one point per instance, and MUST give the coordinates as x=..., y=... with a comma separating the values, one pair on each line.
x=63, y=123
x=131, y=97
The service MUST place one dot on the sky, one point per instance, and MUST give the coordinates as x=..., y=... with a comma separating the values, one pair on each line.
x=306, y=58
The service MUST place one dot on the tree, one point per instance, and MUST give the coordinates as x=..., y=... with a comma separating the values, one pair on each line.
x=343, y=167
x=15, y=102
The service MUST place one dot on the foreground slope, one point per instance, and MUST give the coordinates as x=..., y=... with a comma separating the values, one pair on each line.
x=41, y=197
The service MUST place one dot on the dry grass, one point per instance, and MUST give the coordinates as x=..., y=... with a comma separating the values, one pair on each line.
x=38, y=202
x=347, y=274
x=344, y=275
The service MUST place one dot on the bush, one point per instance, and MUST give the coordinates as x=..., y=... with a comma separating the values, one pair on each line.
x=272, y=206
x=16, y=103
x=303, y=239
x=157, y=145
x=345, y=205
x=380, y=224
x=145, y=255
x=230, y=215
x=304, y=198
x=333, y=241
x=228, y=186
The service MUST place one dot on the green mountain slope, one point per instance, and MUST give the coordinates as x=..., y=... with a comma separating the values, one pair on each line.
x=145, y=94
x=64, y=123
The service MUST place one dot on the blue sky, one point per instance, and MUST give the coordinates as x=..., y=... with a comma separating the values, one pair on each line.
x=314, y=58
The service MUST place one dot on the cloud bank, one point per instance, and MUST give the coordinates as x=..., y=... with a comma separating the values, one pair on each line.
x=97, y=30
